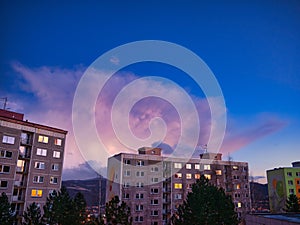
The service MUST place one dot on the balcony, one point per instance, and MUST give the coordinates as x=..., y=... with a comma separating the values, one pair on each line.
x=167, y=189
x=17, y=198
x=19, y=183
x=26, y=141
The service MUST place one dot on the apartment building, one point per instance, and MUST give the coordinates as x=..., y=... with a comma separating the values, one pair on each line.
x=283, y=182
x=31, y=160
x=154, y=185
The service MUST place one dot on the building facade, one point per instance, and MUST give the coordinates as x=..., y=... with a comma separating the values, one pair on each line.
x=283, y=182
x=154, y=185
x=31, y=160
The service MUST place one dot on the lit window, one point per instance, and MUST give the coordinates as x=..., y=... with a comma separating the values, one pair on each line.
x=42, y=152
x=177, y=165
x=188, y=176
x=206, y=167
x=154, y=190
x=237, y=186
x=20, y=165
x=55, y=166
x=188, y=166
x=289, y=174
x=8, y=140
x=140, y=163
x=38, y=179
x=39, y=165
x=208, y=176
x=53, y=180
x=56, y=154
x=154, y=201
x=4, y=169
x=36, y=193
x=239, y=204
x=290, y=182
x=3, y=183
x=154, y=169
x=5, y=154
x=197, y=176
x=218, y=172
x=178, y=186
x=178, y=175
x=197, y=166
x=235, y=167
x=127, y=173
x=57, y=141
x=178, y=196
x=154, y=179
x=43, y=139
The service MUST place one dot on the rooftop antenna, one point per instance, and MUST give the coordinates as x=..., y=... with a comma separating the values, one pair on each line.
x=5, y=102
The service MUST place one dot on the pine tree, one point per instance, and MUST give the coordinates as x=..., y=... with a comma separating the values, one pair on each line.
x=206, y=205
x=79, y=208
x=292, y=204
x=116, y=213
x=6, y=214
x=32, y=215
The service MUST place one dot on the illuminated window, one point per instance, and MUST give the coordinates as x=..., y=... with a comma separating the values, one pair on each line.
x=239, y=204
x=57, y=141
x=177, y=165
x=3, y=183
x=53, y=180
x=235, y=167
x=5, y=154
x=4, y=169
x=20, y=165
x=38, y=179
x=218, y=172
x=56, y=154
x=188, y=176
x=55, y=166
x=43, y=139
x=178, y=196
x=42, y=152
x=197, y=176
x=39, y=165
x=178, y=186
x=197, y=166
x=8, y=140
x=178, y=175
x=36, y=193
x=237, y=186
x=206, y=167
x=208, y=176
x=188, y=166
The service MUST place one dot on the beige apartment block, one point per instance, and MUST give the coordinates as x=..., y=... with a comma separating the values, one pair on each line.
x=154, y=185
x=31, y=160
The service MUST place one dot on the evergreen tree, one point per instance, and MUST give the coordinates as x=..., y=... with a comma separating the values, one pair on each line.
x=206, y=205
x=117, y=213
x=32, y=215
x=80, y=208
x=6, y=214
x=292, y=204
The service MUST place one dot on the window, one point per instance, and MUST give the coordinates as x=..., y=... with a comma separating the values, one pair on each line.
x=126, y=195
x=297, y=174
x=154, y=223
x=36, y=193
x=154, y=201
x=237, y=186
x=42, y=152
x=177, y=165
x=298, y=182
x=197, y=176
x=127, y=161
x=38, y=179
x=178, y=175
x=206, y=167
x=178, y=186
x=56, y=154
x=219, y=172
x=154, y=169
x=127, y=173
x=299, y=191
x=291, y=191
x=5, y=154
x=237, y=195
x=43, y=139
x=235, y=167
x=154, y=190
x=20, y=165
x=4, y=169
x=139, y=219
x=53, y=180
x=188, y=166
x=236, y=177
x=126, y=184
x=154, y=213
x=140, y=163
x=208, y=176
x=140, y=173
x=290, y=182
x=55, y=166
x=139, y=196
x=188, y=176
x=154, y=179
x=139, y=207
x=239, y=204
x=139, y=185
x=245, y=168
x=3, y=183
x=189, y=186
x=57, y=141
x=178, y=196
x=197, y=166
x=39, y=165
x=8, y=140
x=289, y=174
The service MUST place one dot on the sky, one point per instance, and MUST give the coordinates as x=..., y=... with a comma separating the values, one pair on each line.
x=252, y=48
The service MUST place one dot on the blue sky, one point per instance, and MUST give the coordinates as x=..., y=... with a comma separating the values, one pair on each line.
x=252, y=47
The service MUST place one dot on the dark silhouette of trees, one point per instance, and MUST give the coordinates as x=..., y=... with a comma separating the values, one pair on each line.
x=292, y=204
x=117, y=213
x=206, y=205
x=32, y=215
x=6, y=214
